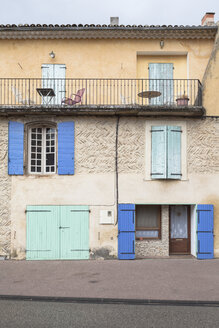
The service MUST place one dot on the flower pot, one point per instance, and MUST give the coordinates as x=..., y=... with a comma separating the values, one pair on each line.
x=183, y=101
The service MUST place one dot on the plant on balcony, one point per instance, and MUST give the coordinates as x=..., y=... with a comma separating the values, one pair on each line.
x=182, y=100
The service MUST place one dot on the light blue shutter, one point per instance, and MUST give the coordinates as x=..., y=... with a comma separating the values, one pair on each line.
x=54, y=77
x=174, y=152
x=15, y=148
x=47, y=80
x=162, y=81
x=66, y=148
x=59, y=83
x=158, y=152
x=205, y=231
x=126, y=227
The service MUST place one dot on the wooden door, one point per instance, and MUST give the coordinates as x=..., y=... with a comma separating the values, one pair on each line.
x=57, y=232
x=74, y=232
x=42, y=233
x=179, y=229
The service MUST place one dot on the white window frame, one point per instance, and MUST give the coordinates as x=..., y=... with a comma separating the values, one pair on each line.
x=148, y=150
x=43, y=165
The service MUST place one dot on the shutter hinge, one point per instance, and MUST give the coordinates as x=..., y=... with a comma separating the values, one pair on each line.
x=176, y=174
x=157, y=173
x=156, y=130
x=176, y=131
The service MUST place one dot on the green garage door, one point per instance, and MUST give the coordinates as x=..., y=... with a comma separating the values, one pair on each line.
x=57, y=232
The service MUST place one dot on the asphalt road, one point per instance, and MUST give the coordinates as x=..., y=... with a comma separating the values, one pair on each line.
x=31, y=314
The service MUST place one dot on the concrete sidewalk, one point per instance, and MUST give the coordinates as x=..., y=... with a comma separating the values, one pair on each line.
x=156, y=279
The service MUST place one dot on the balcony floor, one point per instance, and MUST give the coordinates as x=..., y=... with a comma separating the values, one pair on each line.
x=108, y=110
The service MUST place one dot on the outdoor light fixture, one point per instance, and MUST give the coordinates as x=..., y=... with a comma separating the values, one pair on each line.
x=162, y=44
x=52, y=55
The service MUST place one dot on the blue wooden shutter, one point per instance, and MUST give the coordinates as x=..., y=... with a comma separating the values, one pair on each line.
x=174, y=152
x=158, y=152
x=126, y=227
x=158, y=72
x=66, y=148
x=205, y=227
x=15, y=148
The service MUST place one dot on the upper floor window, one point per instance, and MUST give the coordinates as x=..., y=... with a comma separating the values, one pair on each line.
x=166, y=152
x=42, y=150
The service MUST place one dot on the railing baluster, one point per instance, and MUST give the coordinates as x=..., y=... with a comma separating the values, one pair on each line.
x=99, y=92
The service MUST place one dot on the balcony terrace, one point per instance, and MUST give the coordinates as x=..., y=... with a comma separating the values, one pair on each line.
x=167, y=97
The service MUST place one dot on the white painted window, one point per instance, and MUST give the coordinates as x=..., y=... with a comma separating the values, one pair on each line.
x=42, y=150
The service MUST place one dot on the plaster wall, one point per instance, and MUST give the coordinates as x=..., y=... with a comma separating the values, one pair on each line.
x=180, y=65
x=193, y=231
x=99, y=58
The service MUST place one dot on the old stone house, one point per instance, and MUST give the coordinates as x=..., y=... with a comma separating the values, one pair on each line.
x=109, y=141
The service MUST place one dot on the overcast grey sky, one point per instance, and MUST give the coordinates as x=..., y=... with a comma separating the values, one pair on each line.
x=157, y=12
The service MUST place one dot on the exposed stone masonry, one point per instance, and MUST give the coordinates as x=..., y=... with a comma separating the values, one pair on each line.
x=5, y=192
x=203, y=145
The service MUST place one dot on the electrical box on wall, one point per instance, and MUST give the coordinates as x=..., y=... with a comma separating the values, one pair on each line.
x=106, y=217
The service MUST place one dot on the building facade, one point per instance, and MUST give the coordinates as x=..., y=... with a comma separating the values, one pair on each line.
x=109, y=141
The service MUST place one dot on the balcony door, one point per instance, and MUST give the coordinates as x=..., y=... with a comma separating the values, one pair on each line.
x=53, y=76
x=161, y=79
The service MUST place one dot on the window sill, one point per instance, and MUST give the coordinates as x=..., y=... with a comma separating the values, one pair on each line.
x=182, y=179
x=40, y=175
x=145, y=239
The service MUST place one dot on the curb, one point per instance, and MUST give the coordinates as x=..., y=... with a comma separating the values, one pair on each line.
x=87, y=300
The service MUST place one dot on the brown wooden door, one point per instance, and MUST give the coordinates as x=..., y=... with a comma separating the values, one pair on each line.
x=179, y=229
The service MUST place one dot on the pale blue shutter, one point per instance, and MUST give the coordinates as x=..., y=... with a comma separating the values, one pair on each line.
x=54, y=77
x=174, y=152
x=15, y=148
x=47, y=80
x=158, y=152
x=66, y=148
x=59, y=83
x=161, y=79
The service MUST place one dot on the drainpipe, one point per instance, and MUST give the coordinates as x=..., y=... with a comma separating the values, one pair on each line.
x=116, y=169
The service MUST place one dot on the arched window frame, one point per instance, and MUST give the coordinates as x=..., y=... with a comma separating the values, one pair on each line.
x=44, y=168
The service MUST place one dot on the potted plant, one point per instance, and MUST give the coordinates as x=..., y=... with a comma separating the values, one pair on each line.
x=182, y=100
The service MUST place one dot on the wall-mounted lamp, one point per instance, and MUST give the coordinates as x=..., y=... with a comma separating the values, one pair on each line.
x=52, y=55
x=162, y=44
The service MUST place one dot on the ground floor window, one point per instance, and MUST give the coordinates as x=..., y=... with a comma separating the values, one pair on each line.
x=42, y=150
x=148, y=221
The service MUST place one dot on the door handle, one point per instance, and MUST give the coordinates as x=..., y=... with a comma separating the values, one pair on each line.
x=64, y=227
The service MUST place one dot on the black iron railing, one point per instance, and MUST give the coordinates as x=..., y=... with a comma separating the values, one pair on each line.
x=100, y=92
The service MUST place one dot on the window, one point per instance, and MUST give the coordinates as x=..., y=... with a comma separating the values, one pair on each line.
x=33, y=147
x=42, y=150
x=166, y=152
x=148, y=221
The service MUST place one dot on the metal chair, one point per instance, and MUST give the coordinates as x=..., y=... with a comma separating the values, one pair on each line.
x=77, y=99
